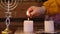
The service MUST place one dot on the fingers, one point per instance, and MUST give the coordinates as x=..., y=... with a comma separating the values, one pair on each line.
x=29, y=11
x=28, y=14
x=33, y=11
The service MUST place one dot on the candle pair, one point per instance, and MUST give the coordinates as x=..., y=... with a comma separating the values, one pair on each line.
x=48, y=26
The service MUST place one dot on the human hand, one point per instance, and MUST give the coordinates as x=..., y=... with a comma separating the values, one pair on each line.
x=34, y=11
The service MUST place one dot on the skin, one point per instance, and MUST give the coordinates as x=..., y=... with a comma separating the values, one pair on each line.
x=33, y=11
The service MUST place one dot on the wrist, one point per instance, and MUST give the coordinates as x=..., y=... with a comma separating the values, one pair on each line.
x=43, y=9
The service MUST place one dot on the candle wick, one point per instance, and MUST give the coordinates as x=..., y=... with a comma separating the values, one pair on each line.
x=28, y=19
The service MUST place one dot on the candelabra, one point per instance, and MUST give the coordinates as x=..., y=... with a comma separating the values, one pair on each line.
x=8, y=5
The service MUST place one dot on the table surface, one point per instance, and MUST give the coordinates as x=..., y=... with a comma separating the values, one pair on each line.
x=40, y=31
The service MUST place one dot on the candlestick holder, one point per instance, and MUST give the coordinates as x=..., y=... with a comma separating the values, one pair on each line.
x=8, y=5
x=7, y=31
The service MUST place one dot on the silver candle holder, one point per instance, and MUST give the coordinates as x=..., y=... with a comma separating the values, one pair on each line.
x=8, y=5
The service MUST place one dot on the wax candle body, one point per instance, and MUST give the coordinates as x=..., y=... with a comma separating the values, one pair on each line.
x=49, y=26
x=28, y=26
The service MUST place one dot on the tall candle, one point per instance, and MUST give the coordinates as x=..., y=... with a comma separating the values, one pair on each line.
x=49, y=26
x=28, y=26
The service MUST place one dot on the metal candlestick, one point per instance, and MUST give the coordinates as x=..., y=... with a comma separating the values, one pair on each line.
x=8, y=6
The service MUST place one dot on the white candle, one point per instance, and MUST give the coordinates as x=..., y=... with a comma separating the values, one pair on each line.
x=49, y=26
x=28, y=26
